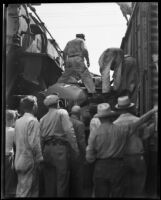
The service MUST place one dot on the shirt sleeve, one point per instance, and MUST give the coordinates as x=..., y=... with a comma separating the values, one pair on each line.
x=69, y=130
x=148, y=131
x=94, y=123
x=34, y=139
x=90, y=150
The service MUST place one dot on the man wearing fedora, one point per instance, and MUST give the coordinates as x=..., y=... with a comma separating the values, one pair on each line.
x=74, y=54
x=133, y=156
x=57, y=133
x=106, y=146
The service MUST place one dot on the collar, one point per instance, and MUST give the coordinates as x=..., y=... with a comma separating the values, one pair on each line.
x=28, y=114
x=51, y=110
x=126, y=114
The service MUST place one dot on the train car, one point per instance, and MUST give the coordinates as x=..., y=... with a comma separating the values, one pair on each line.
x=141, y=41
x=33, y=62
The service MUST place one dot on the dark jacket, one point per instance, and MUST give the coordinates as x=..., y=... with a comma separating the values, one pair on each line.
x=79, y=130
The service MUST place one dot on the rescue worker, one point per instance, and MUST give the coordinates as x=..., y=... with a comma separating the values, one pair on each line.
x=111, y=59
x=130, y=77
x=134, y=153
x=125, y=75
x=74, y=54
x=57, y=136
x=10, y=175
x=106, y=147
x=28, y=150
x=76, y=176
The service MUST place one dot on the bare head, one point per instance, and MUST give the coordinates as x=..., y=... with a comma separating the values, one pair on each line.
x=11, y=116
x=29, y=104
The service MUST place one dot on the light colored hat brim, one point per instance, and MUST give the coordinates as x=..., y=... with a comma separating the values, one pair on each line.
x=125, y=107
x=111, y=114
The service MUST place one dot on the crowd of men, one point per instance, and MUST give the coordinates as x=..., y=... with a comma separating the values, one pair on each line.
x=51, y=154
x=67, y=154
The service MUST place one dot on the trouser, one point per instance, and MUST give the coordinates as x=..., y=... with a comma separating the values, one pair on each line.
x=10, y=179
x=111, y=58
x=135, y=176
x=41, y=183
x=88, y=170
x=109, y=178
x=56, y=170
x=28, y=182
x=152, y=179
x=76, y=179
x=75, y=67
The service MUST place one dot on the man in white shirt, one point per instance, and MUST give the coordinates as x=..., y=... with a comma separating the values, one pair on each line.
x=28, y=149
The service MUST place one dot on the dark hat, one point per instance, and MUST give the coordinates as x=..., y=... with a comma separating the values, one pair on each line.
x=124, y=103
x=82, y=36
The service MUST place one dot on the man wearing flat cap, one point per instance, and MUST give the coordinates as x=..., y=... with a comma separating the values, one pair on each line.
x=74, y=54
x=57, y=133
x=134, y=153
x=106, y=146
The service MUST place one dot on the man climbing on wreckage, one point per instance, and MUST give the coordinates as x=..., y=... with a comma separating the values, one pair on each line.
x=125, y=74
x=74, y=54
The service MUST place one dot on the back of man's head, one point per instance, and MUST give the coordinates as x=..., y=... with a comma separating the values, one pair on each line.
x=27, y=103
x=11, y=116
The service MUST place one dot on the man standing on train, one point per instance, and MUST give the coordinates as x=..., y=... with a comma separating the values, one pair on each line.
x=74, y=54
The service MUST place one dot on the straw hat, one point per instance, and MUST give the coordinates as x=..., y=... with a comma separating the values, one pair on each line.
x=104, y=110
x=124, y=103
x=51, y=99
